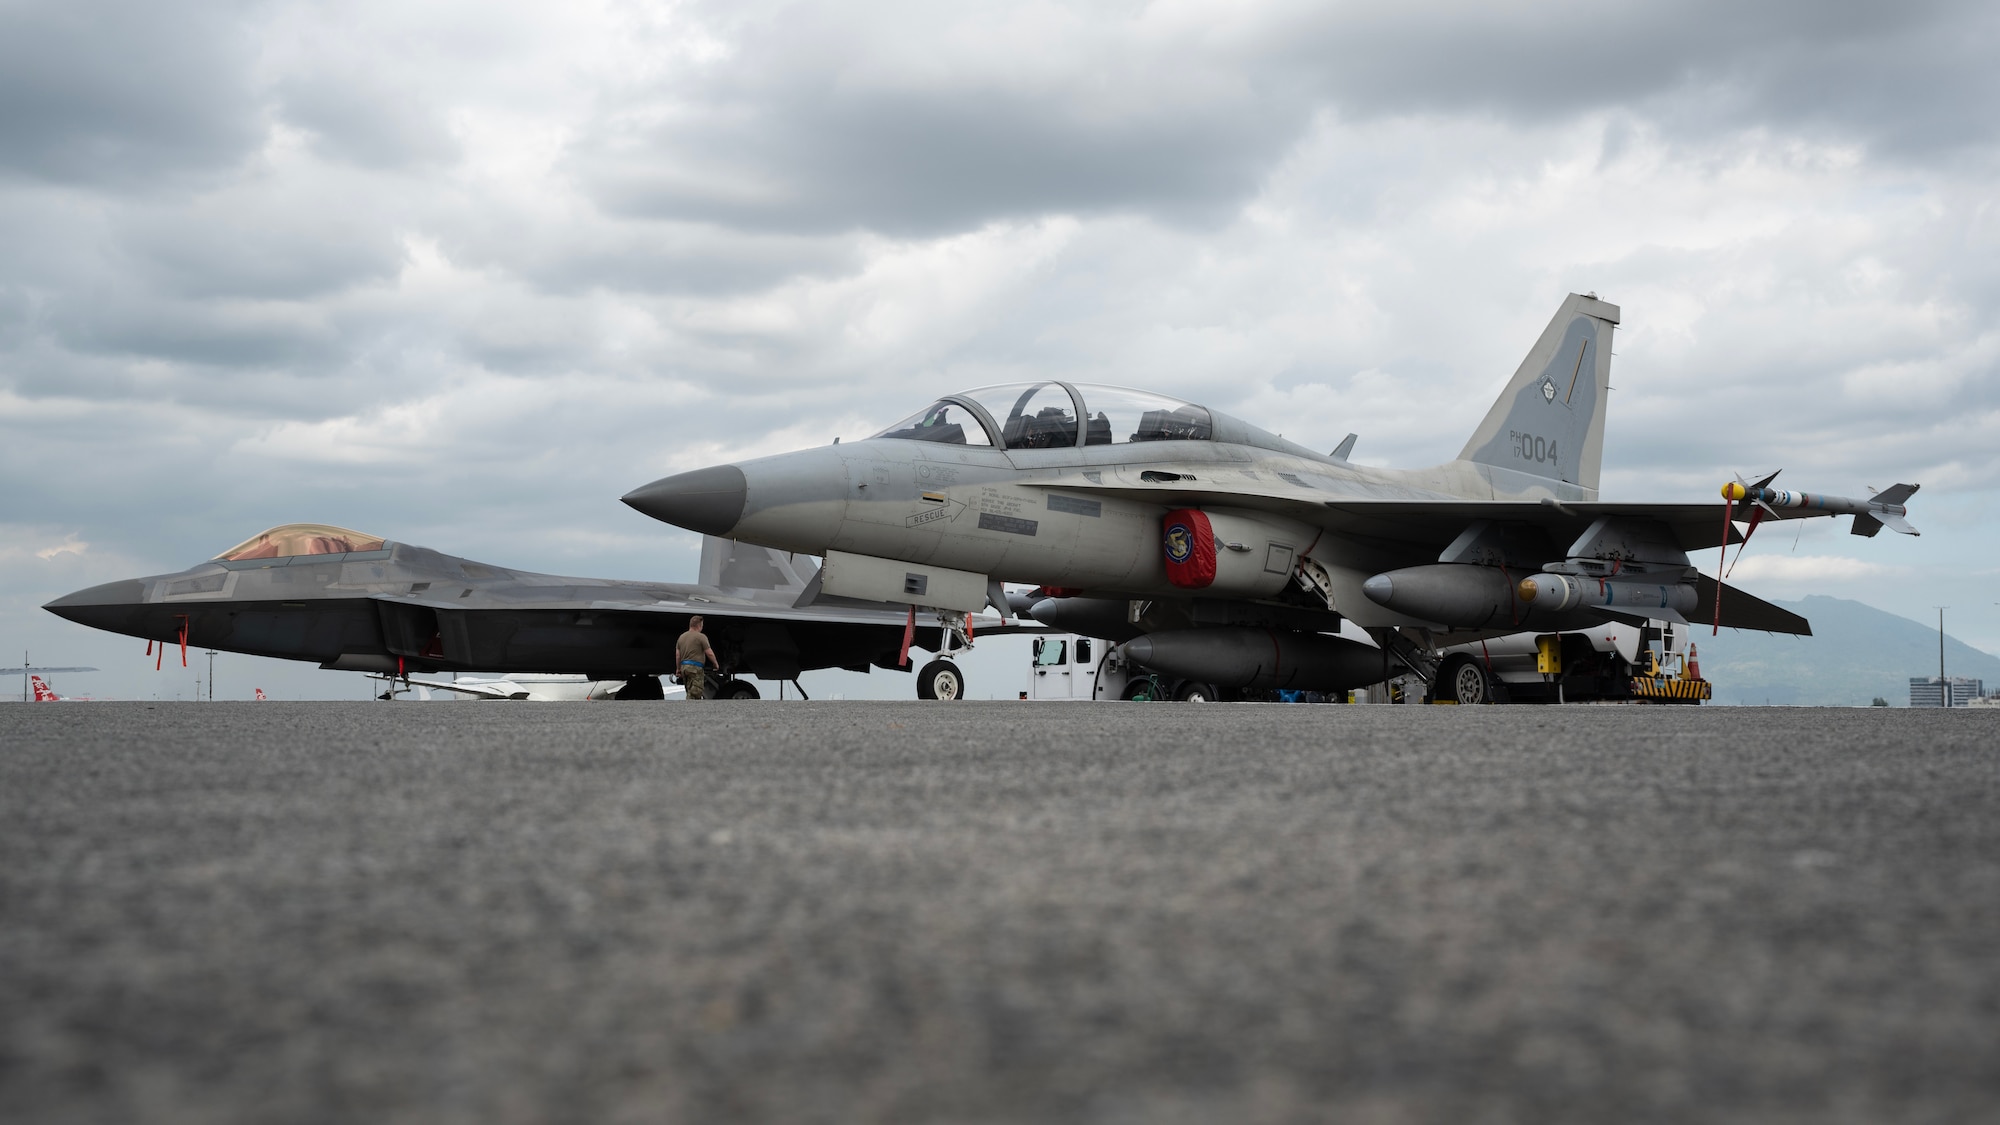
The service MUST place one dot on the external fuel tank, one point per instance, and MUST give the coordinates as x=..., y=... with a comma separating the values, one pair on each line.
x=1262, y=659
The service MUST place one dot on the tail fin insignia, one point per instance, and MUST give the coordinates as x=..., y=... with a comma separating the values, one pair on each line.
x=1549, y=421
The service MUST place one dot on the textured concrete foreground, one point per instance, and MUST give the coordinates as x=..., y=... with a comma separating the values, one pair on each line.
x=996, y=912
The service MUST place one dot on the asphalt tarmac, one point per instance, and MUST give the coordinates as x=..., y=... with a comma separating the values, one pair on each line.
x=974, y=912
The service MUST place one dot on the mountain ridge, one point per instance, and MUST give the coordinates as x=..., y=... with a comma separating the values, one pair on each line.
x=1856, y=653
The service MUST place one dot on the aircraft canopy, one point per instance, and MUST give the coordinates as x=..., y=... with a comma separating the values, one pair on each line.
x=1044, y=416
x=295, y=539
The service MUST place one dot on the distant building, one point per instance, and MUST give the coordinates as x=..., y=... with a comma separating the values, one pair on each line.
x=1956, y=691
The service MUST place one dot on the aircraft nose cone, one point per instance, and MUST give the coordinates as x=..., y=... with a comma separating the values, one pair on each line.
x=706, y=500
x=1379, y=589
x=101, y=607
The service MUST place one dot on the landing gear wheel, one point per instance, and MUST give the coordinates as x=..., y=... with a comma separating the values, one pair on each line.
x=940, y=679
x=737, y=689
x=1197, y=693
x=1463, y=681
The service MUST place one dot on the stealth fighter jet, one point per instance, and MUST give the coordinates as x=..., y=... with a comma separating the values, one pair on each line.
x=357, y=602
x=1223, y=553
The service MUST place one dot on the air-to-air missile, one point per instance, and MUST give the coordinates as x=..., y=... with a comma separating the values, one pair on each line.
x=1870, y=515
x=1560, y=592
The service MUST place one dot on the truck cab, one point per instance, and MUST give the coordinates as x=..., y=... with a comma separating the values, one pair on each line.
x=1064, y=666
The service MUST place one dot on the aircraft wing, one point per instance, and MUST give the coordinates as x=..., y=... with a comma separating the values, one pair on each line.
x=1417, y=522
x=641, y=599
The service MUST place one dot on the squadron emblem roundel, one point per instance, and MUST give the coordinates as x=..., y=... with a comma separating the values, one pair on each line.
x=1180, y=542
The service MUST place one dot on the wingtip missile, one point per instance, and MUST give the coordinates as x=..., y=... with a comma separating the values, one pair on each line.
x=1885, y=508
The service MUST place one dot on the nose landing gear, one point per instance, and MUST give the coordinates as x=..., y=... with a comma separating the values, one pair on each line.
x=940, y=679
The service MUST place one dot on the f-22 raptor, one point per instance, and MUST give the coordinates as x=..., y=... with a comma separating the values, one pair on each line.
x=355, y=602
x=1220, y=552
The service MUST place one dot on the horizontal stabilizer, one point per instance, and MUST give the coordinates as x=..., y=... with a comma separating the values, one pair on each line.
x=1885, y=509
x=1866, y=524
x=1745, y=611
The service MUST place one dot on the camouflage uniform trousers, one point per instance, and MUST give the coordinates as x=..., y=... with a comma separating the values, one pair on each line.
x=695, y=678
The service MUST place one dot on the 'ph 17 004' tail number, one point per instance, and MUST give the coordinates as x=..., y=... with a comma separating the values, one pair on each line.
x=1528, y=447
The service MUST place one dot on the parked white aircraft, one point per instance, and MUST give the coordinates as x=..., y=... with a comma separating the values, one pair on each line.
x=535, y=686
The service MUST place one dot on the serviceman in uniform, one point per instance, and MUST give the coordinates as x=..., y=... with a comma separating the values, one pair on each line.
x=695, y=655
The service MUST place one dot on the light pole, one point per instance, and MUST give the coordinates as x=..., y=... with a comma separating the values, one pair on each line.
x=211, y=675
x=1944, y=686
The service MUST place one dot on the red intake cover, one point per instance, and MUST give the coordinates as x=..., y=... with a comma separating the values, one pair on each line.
x=1190, y=548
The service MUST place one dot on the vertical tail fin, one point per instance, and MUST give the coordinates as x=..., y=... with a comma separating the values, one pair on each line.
x=42, y=692
x=1548, y=424
x=742, y=566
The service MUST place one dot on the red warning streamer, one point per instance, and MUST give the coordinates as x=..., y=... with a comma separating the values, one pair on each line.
x=1756, y=517
x=1728, y=509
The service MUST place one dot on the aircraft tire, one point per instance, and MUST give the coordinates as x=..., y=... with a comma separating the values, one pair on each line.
x=737, y=689
x=1464, y=682
x=1196, y=693
x=941, y=679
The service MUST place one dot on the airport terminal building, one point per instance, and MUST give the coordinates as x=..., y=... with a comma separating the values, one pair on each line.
x=1957, y=691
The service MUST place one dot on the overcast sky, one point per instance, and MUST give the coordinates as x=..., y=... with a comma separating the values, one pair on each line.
x=461, y=274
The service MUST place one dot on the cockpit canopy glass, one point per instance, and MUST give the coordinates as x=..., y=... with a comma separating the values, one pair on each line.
x=300, y=539
x=1044, y=416
x=1119, y=415
x=1031, y=415
x=946, y=422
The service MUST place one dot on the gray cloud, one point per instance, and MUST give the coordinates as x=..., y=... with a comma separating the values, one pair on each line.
x=359, y=119
x=258, y=244
x=118, y=94
x=810, y=125
x=642, y=257
x=1856, y=66
x=934, y=164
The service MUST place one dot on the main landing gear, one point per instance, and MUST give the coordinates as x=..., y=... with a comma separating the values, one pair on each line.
x=1463, y=680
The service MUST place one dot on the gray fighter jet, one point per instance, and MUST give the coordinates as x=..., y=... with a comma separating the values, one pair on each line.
x=1223, y=553
x=356, y=602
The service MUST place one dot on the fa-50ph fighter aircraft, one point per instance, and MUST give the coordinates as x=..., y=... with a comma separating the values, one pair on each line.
x=355, y=602
x=1226, y=554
